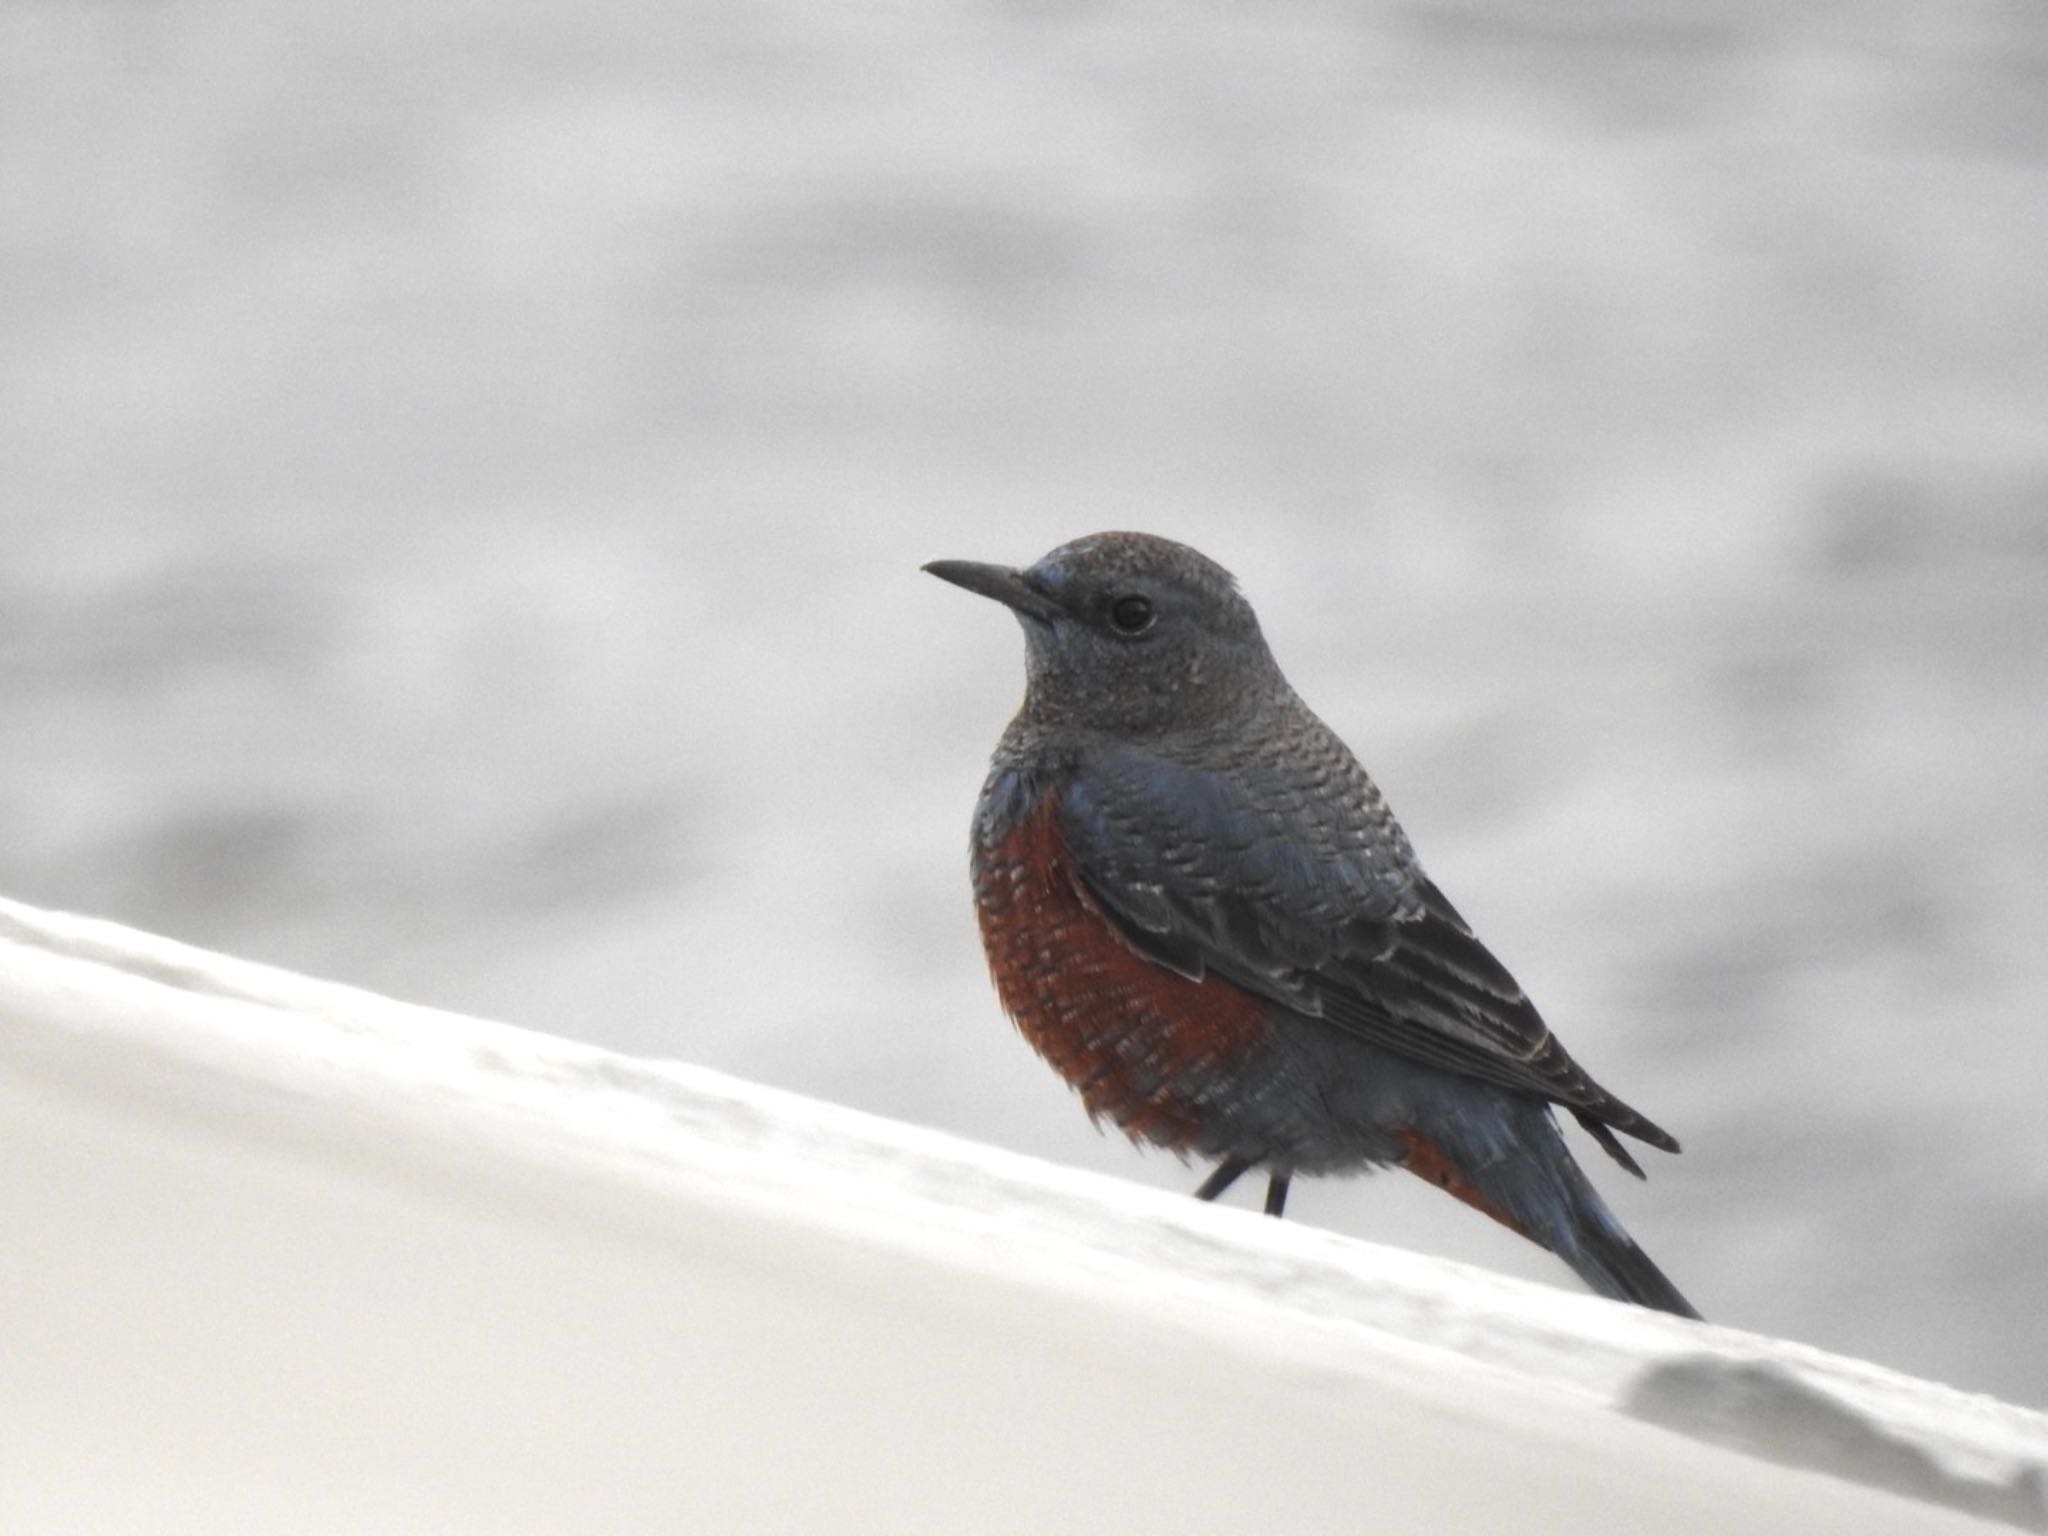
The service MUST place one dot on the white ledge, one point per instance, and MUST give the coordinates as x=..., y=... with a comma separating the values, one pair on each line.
x=281, y=1256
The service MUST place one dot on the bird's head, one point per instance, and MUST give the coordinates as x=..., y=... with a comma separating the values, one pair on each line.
x=1129, y=635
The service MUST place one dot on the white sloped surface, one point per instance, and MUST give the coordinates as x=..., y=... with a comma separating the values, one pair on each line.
x=284, y=1257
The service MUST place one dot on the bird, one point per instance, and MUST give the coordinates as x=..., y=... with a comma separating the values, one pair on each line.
x=1198, y=907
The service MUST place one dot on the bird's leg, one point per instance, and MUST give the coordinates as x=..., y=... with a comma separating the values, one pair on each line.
x=1225, y=1174
x=1276, y=1192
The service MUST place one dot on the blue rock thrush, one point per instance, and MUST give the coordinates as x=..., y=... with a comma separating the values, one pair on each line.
x=1200, y=911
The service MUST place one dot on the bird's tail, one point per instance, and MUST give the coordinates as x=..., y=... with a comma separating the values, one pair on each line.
x=1615, y=1266
x=1518, y=1170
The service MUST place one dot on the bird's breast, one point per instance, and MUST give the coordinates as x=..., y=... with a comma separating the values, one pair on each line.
x=1145, y=1046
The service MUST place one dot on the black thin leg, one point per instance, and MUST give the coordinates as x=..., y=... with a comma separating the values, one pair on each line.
x=1226, y=1173
x=1276, y=1192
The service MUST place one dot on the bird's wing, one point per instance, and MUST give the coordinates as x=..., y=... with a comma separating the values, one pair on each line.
x=1315, y=902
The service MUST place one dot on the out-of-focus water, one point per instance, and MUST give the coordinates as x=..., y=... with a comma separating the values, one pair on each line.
x=463, y=473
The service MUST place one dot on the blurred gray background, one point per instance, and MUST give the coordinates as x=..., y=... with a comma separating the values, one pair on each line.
x=464, y=470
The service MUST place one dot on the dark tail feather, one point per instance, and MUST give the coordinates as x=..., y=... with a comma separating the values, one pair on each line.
x=1527, y=1180
x=1614, y=1266
x=1590, y=1238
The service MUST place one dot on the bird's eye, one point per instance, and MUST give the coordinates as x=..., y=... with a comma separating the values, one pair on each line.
x=1131, y=614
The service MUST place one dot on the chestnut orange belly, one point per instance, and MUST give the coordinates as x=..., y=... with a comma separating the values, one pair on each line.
x=1145, y=1046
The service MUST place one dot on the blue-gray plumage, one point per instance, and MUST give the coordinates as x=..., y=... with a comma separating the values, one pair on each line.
x=1199, y=908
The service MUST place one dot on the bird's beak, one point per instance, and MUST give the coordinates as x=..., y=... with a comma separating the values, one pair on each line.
x=1006, y=586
